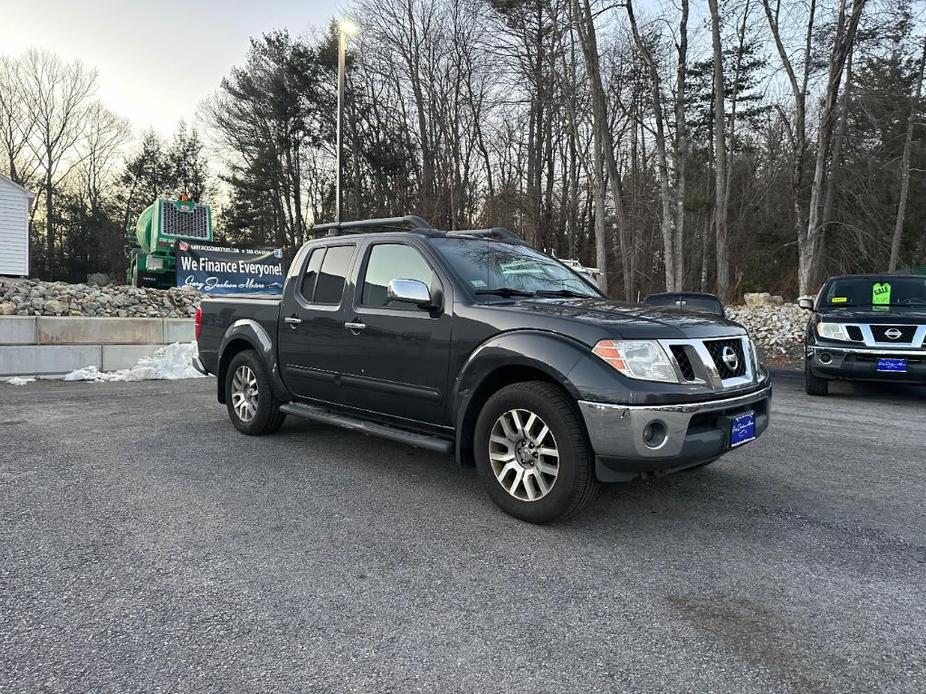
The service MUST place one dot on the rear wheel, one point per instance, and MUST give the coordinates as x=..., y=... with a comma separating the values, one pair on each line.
x=532, y=453
x=252, y=407
x=814, y=385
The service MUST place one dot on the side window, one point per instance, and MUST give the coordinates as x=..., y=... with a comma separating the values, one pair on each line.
x=307, y=288
x=389, y=261
x=329, y=286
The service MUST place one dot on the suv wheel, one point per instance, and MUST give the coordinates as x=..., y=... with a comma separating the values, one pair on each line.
x=814, y=385
x=252, y=407
x=532, y=453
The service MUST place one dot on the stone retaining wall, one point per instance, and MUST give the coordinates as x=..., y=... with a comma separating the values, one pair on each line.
x=52, y=346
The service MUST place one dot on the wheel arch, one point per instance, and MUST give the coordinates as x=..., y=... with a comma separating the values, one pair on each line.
x=513, y=357
x=242, y=335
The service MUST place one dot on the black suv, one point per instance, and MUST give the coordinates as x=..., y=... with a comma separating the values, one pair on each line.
x=474, y=344
x=866, y=328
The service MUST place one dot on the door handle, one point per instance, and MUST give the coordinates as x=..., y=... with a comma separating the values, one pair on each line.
x=293, y=321
x=355, y=327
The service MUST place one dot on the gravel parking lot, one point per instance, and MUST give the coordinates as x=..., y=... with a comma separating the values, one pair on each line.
x=148, y=546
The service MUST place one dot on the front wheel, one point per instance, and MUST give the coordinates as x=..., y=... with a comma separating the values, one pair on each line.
x=532, y=453
x=252, y=407
x=814, y=385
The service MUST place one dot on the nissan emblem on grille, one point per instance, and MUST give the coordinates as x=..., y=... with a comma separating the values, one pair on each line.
x=730, y=358
x=893, y=334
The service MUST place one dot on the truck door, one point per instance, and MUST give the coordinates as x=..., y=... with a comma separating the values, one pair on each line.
x=311, y=330
x=395, y=355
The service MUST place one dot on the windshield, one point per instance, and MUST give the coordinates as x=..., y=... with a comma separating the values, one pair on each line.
x=874, y=292
x=492, y=266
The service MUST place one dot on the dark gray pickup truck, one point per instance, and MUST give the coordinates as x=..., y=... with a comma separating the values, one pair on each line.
x=472, y=343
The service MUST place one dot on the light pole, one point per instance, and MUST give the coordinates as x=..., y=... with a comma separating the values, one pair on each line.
x=345, y=28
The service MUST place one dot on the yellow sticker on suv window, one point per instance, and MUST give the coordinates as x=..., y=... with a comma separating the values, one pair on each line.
x=839, y=299
x=881, y=293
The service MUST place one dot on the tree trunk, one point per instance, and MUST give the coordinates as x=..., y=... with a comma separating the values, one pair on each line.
x=808, y=255
x=905, y=167
x=49, y=220
x=721, y=234
x=681, y=148
x=662, y=163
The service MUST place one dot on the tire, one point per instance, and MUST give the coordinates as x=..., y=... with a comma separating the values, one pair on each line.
x=514, y=453
x=814, y=385
x=256, y=411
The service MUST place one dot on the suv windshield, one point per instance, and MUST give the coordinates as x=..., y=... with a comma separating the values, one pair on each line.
x=874, y=291
x=491, y=267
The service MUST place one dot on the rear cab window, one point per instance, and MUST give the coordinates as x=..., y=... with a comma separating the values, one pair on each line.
x=325, y=275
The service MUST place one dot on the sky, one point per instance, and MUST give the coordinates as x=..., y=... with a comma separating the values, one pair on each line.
x=156, y=60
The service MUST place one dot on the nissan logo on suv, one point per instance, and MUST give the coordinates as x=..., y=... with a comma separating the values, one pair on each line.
x=730, y=358
x=893, y=334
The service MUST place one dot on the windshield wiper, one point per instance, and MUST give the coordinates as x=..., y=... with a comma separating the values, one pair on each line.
x=562, y=292
x=505, y=291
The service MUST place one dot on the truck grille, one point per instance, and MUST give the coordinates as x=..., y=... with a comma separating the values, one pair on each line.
x=718, y=349
x=680, y=352
x=907, y=333
x=190, y=225
x=702, y=361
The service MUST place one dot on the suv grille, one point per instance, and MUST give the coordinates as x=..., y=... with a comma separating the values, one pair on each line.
x=684, y=361
x=907, y=332
x=717, y=349
x=190, y=225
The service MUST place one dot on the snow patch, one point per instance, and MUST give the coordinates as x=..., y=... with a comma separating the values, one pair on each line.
x=170, y=362
x=17, y=380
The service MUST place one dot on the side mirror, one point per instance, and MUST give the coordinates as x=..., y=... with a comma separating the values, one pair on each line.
x=805, y=302
x=410, y=292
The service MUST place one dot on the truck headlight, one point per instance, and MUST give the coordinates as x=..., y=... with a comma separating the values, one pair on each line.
x=833, y=331
x=642, y=359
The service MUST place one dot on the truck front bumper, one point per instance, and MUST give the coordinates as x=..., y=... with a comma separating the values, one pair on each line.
x=861, y=364
x=634, y=440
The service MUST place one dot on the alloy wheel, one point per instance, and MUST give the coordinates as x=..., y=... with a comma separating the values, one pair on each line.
x=244, y=393
x=523, y=455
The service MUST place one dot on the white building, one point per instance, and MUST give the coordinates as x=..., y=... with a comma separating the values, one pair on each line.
x=15, y=202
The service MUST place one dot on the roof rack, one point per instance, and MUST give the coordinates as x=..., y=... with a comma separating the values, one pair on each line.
x=407, y=223
x=495, y=233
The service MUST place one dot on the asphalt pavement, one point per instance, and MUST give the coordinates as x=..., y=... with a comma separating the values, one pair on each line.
x=147, y=546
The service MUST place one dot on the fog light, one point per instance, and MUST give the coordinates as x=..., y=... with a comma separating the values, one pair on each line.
x=825, y=358
x=654, y=434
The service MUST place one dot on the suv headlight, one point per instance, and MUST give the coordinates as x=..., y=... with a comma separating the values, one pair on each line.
x=642, y=359
x=833, y=331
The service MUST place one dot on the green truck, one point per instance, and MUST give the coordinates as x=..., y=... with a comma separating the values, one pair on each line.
x=152, y=258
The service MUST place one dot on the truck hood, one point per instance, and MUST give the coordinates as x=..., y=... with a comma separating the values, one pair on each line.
x=897, y=314
x=620, y=320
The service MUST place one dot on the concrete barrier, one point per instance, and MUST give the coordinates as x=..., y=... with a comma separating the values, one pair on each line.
x=52, y=346
x=99, y=331
x=17, y=330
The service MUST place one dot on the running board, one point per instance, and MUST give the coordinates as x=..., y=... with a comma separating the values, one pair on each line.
x=316, y=414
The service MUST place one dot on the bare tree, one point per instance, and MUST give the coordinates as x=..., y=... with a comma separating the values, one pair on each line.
x=666, y=194
x=57, y=96
x=905, y=165
x=721, y=233
x=681, y=145
x=585, y=26
x=16, y=127
x=808, y=247
x=106, y=133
